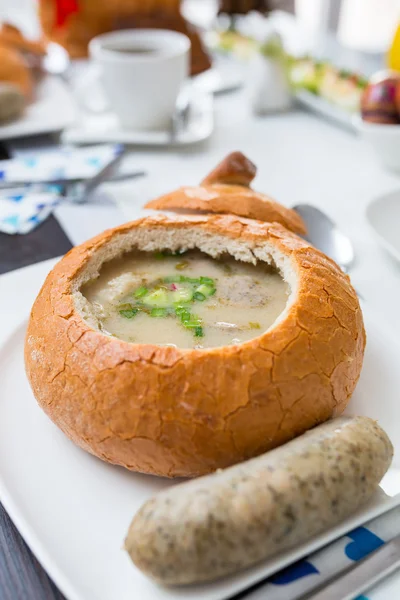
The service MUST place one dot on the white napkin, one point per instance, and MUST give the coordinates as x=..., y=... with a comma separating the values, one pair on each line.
x=23, y=209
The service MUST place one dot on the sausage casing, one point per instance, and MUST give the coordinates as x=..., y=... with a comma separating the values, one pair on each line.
x=215, y=525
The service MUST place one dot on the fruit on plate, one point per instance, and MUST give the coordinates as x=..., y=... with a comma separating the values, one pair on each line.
x=380, y=100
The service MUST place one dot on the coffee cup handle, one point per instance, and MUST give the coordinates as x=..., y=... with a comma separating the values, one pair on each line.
x=89, y=94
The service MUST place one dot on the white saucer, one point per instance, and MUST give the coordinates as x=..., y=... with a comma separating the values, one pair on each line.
x=104, y=127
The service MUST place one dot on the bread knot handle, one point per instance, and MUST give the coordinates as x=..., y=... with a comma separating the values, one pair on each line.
x=235, y=169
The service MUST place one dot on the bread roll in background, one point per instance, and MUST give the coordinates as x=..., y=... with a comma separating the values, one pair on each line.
x=14, y=70
x=12, y=102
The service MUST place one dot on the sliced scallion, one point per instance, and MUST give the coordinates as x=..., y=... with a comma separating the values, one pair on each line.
x=140, y=292
x=199, y=296
x=158, y=312
x=129, y=313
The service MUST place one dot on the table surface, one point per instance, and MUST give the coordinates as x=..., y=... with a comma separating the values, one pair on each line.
x=301, y=159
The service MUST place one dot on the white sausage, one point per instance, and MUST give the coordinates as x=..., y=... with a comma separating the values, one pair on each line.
x=213, y=526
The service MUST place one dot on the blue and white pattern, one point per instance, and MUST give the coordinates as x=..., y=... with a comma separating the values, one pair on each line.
x=23, y=209
x=304, y=576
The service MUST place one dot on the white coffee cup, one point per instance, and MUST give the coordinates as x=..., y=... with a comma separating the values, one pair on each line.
x=141, y=73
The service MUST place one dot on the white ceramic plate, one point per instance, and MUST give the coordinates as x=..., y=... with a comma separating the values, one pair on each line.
x=52, y=110
x=383, y=215
x=104, y=127
x=326, y=109
x=74, y=510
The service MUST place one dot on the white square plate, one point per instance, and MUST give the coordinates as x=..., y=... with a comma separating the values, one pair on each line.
x=74, y=510
x=53, y=109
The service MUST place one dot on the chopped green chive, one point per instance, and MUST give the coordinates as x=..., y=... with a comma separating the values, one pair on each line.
x=185, y=316
x=140, y=292
x=129, y=313
x=158, y=312
x=199, y=296
x=206, y=289
x=192, y=324
x=182, y=295
x=158, y=298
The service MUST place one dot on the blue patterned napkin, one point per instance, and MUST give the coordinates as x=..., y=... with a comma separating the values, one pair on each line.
x=23, y=209
x=306, y=575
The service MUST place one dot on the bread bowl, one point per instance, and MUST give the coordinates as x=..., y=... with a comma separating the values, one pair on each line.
x=174, y=411
x=226, y=190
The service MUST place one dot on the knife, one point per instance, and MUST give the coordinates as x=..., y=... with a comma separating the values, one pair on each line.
x=364, y=575
x=71, y=181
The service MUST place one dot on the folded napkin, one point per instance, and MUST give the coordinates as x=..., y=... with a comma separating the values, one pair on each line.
x=304, y=576
x=23, y=209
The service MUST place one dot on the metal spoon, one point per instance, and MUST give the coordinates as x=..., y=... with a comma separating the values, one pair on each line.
x=324, y=234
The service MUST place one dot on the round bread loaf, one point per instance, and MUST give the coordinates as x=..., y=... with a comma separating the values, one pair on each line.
x=11, y=36
x=226, y=190
x=15, y=70
x=186, y=412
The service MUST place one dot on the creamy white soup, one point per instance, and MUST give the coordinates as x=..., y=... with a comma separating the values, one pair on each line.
x=188, y=300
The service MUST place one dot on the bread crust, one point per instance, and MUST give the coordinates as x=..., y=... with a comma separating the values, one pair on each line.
x=15, y=70
x=12, y=36
x=182, y=412
x=226, y=190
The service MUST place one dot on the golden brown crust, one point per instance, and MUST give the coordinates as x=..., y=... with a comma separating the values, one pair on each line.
x=230, y=199
x=236, y=168
x=14, y=70
x=12, y=36
x=123, y=402
x=226, y=190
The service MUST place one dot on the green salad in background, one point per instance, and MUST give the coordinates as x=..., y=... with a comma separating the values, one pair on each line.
x=305, y=73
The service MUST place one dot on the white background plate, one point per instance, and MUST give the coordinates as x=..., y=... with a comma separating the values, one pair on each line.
x=104, y=127
x=74, y=510
x=383, y=215
x=52, y=110
x=326, y=109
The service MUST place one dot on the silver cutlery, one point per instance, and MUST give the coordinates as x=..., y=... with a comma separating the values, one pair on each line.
x=78, y=190
x=324, y=234
x=70, y=181
x=181, y=114
x=362, y=576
